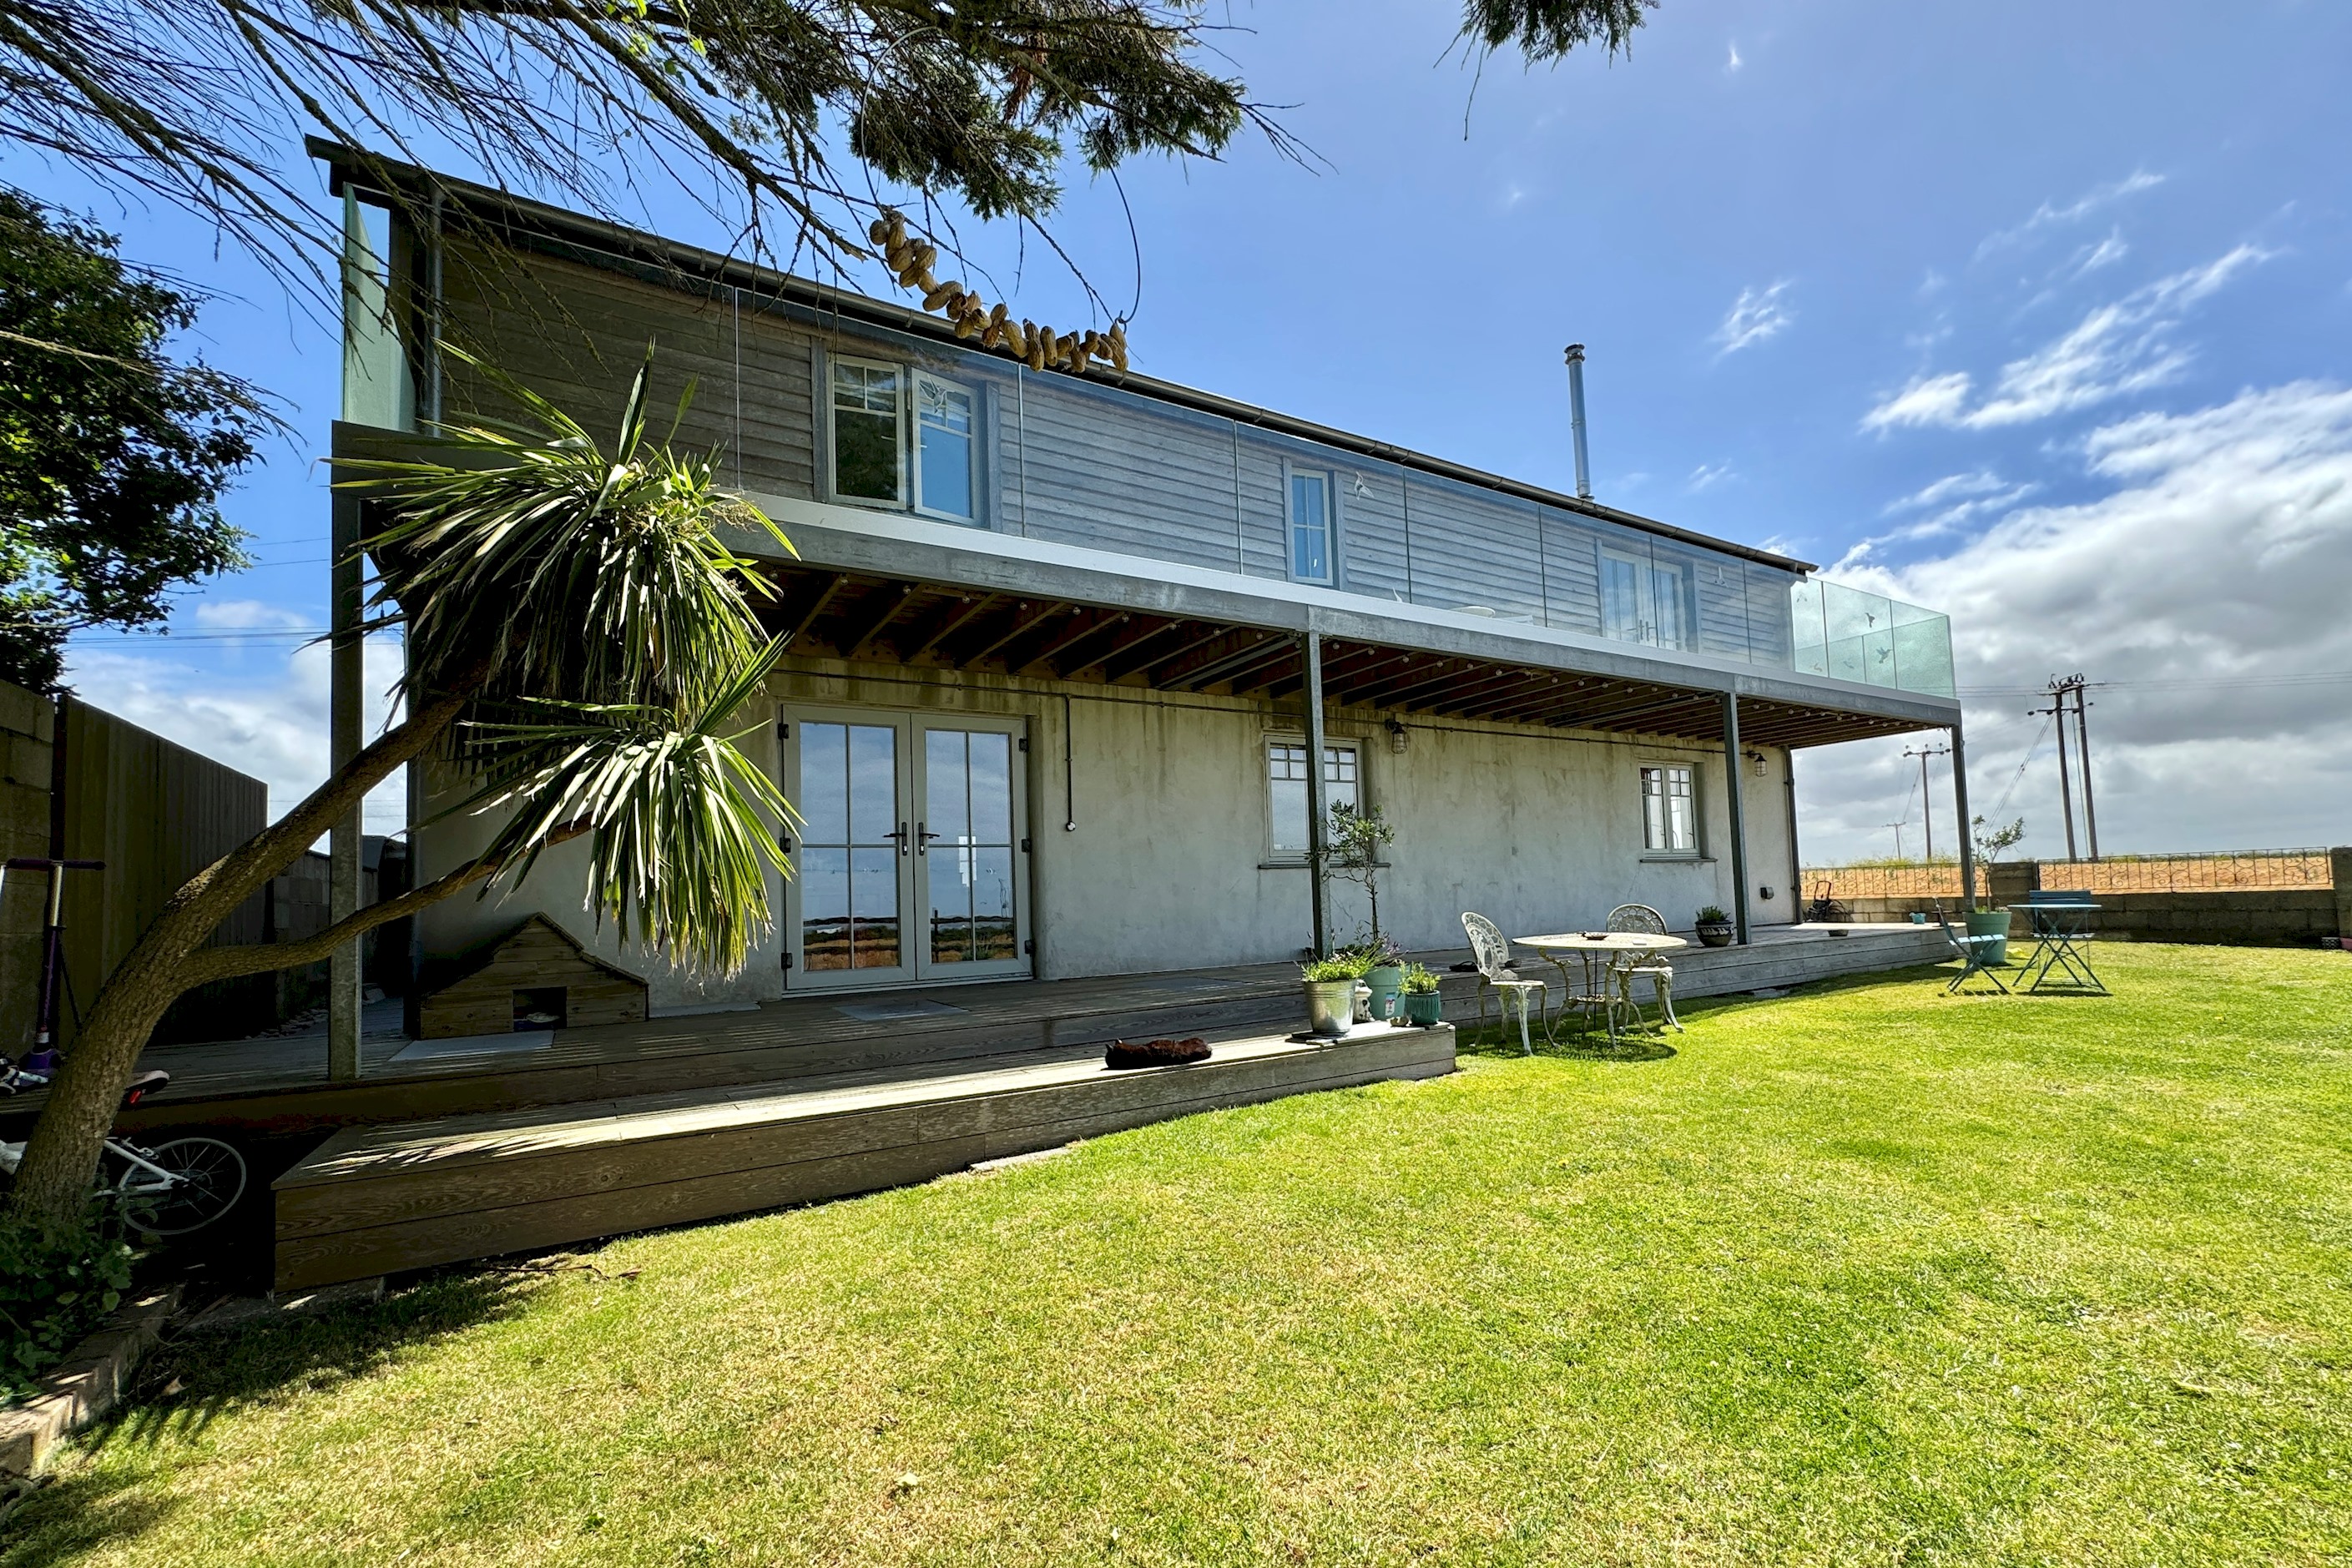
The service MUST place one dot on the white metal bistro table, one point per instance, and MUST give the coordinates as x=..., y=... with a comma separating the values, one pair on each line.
x=1600, y=952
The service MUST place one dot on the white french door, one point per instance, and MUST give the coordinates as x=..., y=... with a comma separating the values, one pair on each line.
x=910, y=863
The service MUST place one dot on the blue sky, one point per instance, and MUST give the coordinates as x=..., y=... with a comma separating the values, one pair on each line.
x=2035, y=313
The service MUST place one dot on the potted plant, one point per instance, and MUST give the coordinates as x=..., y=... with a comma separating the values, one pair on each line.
x=1991, y=844
x=1423, y=1004
x=1715, y=927
x=1384, y=971
x=1352, y=853
x=1331, y=986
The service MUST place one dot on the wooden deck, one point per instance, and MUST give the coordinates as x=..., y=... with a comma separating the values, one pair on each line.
x=375, y=1200
x=279, y=1085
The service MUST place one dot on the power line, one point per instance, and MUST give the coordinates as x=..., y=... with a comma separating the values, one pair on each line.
x=2203, y=683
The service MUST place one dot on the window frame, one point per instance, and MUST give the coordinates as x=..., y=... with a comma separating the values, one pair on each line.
x=1277, y=856
x=905, y=372
x=1291, y=473
x=1647, y=572
x=913, y=457
x=1697, y=849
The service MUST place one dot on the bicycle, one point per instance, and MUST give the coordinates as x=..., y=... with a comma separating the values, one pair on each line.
x=170, y=1189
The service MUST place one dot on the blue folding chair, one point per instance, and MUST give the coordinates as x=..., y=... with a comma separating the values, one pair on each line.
x=1973, y=953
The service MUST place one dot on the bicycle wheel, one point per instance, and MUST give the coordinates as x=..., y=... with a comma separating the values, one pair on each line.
x=194, y=1182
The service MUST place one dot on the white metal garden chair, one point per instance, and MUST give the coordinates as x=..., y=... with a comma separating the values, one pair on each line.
x=1492, y=950
x=1648, y=922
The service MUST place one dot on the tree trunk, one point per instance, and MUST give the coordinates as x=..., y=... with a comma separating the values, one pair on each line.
x=61, y=1159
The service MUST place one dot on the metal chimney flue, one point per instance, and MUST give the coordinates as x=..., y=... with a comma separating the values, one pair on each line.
x=1576, y=417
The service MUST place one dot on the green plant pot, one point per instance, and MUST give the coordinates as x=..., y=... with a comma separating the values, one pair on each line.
x=1386, y=982
x=1423, y=1008
x=1991, y=922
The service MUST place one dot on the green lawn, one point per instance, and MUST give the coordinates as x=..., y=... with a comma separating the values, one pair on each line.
x=1866, y=1275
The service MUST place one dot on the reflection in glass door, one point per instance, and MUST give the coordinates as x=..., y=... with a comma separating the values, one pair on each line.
x=911, y=860
x=967, y=846
x=852, y=842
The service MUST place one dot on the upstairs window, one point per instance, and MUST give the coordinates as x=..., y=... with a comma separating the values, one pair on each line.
x=1286, y=770
x=866, y=425
x=943, y=448
x=1669, y=810
x=904, y=438
x=1310, y=527
x=1641, y=601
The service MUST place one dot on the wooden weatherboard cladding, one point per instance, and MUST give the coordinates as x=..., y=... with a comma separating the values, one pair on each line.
x=872, y=620
x=534, y=976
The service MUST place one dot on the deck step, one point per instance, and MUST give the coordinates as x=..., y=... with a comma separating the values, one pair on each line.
x=800, y=1038
x=382, y=1199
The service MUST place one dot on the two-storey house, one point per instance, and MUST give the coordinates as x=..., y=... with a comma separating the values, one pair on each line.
x=1072, y=654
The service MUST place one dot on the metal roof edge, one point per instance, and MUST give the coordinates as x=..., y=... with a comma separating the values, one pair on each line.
x=376, y=171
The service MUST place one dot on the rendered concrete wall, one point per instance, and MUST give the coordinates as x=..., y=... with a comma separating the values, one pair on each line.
x=1167, y=867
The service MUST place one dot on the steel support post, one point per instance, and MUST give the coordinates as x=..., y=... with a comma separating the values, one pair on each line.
x=346, y=683
x=1734, y=795
x=1960, y=808
x=1318, y=802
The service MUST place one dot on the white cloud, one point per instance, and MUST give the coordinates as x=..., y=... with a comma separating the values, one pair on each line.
x=270, y=722
x=2120, y=347
x=2215, y=564
x=1982, y=482
x=1756, y=315
x=2048, y=217
x=1706, y=476
x=1735, y=62
x=2107, y=253
x=246, y=615
x=1925, y=400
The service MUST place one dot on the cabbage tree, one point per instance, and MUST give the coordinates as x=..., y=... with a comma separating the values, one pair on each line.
x=582, y=644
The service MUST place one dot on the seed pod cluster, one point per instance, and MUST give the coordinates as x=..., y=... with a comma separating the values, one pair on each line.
x=911, y=261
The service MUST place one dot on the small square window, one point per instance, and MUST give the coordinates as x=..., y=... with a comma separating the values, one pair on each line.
x=1669, y=811
x=1286, y=770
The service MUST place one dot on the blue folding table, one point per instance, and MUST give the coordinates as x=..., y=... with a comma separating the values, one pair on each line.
x=2062, y=923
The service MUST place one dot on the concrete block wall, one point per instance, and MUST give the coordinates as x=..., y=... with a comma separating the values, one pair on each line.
x=2243, y=917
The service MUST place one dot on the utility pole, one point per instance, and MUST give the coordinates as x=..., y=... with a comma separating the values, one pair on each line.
x=1927, y=802
x=2082, y=736
x=2069, y=701
x=1898, y=839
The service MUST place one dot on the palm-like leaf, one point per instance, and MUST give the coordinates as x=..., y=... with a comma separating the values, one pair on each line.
x=586, y=600
x=532, y=563
x=680, y=822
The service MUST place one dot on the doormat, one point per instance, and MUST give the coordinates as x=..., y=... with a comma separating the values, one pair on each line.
x=893, y=1011
x=522, y=1040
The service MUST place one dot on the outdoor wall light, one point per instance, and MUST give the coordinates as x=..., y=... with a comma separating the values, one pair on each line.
x=1765, y=893
x=1758, y=759
x=1399, y=737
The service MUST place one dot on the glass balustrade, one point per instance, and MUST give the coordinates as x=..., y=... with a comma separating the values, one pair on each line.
x=1074, y=462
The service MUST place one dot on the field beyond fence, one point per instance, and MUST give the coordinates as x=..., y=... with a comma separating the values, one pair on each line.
x=2222, y=872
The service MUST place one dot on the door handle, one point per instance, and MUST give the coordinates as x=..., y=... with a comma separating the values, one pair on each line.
x=923, y=839
x=899, y=833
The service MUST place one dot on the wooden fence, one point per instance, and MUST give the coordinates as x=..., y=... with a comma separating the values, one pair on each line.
x=2229, y=870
